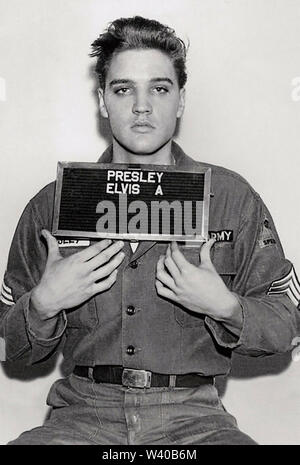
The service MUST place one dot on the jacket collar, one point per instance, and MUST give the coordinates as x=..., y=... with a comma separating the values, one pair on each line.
x=182, y=161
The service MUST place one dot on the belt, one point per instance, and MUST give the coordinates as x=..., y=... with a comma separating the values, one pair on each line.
x=139, y=378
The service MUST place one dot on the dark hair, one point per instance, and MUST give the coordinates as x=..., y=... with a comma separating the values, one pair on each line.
x=138, y=33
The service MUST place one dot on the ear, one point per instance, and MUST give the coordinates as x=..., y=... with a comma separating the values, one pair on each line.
x=102, y=106
x=181, y=103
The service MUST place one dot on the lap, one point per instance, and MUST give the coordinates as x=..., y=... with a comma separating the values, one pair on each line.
x=50, y=435
x=85, y=413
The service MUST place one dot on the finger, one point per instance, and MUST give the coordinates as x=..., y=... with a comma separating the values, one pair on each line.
x=96, y=288
x=205, y=252
x=53, y=250
x=93, y=250
x=163, y=276
x=105, y=255
x=178, y=257
x=165, y=292
x=171, y=265
x=107, y=269
x=168, y=252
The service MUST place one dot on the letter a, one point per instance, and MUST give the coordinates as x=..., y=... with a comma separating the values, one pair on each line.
x=158, y=191
x=107, y=222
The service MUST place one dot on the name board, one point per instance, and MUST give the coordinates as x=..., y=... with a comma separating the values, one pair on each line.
x=136, y=202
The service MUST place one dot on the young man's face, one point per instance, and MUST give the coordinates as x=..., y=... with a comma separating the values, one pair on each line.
x=142, y=100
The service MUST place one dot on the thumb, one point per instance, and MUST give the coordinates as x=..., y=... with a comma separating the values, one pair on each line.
x=53, y=250
x=205, y=252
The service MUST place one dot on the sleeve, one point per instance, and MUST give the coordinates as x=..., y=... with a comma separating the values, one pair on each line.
x=266, y=286
x=26, y=263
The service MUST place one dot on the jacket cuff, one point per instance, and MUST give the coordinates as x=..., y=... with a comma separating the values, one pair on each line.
x=15, y=336
x=34, y=337
x=223, y=336
x=261, y=327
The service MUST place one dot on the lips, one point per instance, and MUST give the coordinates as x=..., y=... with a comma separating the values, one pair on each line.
x=142, y=127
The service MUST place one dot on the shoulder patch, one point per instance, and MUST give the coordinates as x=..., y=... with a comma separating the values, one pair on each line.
x=288, y=285
x=266, y=236
x=6, y=295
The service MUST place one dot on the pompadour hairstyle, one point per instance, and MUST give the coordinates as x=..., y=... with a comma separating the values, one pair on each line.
x=138, y=33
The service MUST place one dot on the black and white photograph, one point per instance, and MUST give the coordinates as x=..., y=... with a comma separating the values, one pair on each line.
x=150, y=264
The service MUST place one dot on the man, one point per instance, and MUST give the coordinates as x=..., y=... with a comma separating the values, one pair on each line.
x=147, y=330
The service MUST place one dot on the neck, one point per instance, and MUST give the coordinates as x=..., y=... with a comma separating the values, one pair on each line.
x=162, y=157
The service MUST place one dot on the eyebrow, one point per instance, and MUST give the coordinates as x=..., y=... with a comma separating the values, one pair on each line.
x=130, y=81
x=163, y=79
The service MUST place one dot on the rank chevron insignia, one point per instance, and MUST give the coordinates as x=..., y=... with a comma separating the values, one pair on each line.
x=288, y=285
x=6, y=295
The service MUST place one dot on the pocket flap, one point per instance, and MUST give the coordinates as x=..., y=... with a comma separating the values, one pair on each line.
x=222, y=256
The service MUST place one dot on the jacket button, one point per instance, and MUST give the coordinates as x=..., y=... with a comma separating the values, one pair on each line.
x=130, y=310
x=133, y=264
x=130, y=350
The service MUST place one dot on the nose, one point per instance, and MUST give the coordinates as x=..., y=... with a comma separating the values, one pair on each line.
x=142, y=104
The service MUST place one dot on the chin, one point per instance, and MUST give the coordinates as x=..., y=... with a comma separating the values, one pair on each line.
x=144, y=150
x=144, y=147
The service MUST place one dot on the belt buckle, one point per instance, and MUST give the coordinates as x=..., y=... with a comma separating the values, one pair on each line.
x=136, y=378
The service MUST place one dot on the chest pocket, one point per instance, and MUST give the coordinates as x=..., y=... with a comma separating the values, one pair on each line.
x=84, y=316
x=222, y=256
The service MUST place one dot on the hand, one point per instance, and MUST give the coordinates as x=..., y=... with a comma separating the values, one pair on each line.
x=70, y=281
x=199, y=289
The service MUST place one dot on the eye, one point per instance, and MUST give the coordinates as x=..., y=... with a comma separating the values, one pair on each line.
x=122, y=90
x=160, y=90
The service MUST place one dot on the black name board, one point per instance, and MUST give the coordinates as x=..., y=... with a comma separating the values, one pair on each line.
x=137, y=202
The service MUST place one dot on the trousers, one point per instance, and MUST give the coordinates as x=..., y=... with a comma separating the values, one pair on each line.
x=83, y=412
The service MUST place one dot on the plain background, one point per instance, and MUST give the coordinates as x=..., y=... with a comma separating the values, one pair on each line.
x=242, y=112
